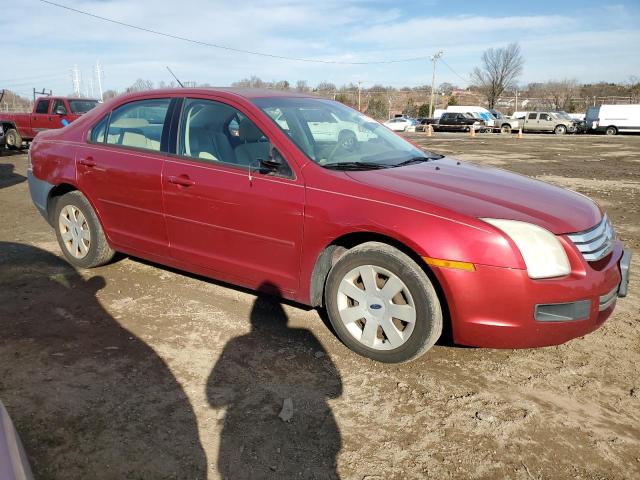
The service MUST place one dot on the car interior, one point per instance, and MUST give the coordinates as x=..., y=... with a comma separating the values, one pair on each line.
x=210, y=133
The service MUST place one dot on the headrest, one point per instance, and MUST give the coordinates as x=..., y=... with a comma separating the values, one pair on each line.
x=248, y=131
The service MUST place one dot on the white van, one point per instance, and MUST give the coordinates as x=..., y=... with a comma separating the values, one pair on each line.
x=503, y=123
x=613, y=119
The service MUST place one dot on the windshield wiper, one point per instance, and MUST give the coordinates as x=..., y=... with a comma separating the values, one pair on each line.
x=418, y=160
x=355, y=166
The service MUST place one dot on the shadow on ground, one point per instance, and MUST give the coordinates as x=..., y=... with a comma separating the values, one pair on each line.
x=274, y=383
x=89, y=398
x=8, y=178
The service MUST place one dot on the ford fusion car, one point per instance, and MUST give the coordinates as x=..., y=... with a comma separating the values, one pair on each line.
x=394, y=242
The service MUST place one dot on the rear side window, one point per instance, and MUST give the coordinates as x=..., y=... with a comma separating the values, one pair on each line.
x=138, y=124
x=532, y=116
x=43, y=106
x=97, y=134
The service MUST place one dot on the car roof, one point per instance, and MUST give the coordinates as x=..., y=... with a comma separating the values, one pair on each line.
x=248, y=93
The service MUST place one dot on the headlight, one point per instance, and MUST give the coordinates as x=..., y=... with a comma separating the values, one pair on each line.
x=542, y=252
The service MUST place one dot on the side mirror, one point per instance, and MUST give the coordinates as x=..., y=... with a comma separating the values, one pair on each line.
x=60, y=110
x=274, y=162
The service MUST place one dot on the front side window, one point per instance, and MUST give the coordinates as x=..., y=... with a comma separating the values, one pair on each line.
x=43, y=106
x=216, y=132
x=545, y=116
x=138, y=124
x=56, y=105
x=351, y=140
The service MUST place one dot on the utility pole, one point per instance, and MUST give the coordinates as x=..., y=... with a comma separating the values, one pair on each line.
x=75, y=77
x=516, y=101
x=434, y=59
x=359, y=89
x=99, y=74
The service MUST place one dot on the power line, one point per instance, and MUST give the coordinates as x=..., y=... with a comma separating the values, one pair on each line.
x=454, y=72
x=225, y=47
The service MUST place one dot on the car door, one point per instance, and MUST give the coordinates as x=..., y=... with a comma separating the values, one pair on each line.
x=58, y=120
x=40, y=117
x=225, y=215
x=532, y=122
x=120, y=168
x=546, y=122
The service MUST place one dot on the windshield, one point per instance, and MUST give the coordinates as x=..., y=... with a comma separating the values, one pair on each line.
x=82, y=106
x=564, y=115
x=332, y=134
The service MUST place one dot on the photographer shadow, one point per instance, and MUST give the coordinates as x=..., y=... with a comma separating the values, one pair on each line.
x=275, y=383
x=88, y=397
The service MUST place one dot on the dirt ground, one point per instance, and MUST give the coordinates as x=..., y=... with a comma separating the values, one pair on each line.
x=137, y=371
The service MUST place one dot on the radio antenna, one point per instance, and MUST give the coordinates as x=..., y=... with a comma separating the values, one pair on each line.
x=174, y=76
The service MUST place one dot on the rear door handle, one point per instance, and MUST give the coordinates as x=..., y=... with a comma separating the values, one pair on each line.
x=87, y=162
x=182, y=180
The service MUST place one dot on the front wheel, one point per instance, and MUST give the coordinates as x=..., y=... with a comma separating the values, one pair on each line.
x=505, y=129
x=382, y=305
x=79, y=232
x=13, y=139
x=611, y=131
x=560, y=130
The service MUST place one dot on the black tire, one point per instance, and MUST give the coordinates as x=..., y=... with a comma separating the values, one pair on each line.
x=428, y=320
x=560, y=129
x=506, y=128
x=13, y=139
x=611, y=130
x=99, y=252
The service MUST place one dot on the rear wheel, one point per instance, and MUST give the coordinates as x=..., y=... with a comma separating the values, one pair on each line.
x=611, y=130
x=79, y=232
x=506, y=128
x=13, y=139
x=560, y=130
x=382, y=305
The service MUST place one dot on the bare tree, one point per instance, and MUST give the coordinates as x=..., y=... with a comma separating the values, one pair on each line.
x=499, y=71
x=140, y=85
x=301, y=86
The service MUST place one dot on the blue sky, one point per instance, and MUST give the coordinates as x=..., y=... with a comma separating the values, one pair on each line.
x=587, y=40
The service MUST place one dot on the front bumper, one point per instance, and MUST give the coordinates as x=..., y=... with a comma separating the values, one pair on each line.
x=495, y=307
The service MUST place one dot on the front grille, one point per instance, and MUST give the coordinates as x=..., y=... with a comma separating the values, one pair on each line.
x=595, y=243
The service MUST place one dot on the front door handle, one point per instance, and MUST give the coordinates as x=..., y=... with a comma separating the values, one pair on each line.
x=87, y=162
x=182, y=180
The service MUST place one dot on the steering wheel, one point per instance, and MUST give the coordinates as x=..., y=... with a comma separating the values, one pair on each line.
x=347, y=140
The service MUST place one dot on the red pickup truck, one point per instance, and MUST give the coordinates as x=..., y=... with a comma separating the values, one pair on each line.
x=48, y=113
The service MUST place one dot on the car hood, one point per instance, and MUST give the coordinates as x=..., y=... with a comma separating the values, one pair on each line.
x=485, y=192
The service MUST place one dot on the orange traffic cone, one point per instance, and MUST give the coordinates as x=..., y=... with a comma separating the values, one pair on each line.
x=472, y=131
x=520, y=133
x=429, y=130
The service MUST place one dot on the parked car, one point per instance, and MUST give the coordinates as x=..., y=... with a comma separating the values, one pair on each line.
x=13, y=461
x=458, y=122
x=490, y=121
x=390, y=240
x=613, y=119
x=423, y=123
x=548, y=122
x=48, y=113
x=579, y=126
x=401, y=124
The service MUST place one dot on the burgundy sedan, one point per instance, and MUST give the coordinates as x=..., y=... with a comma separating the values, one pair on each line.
x=311, y=200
